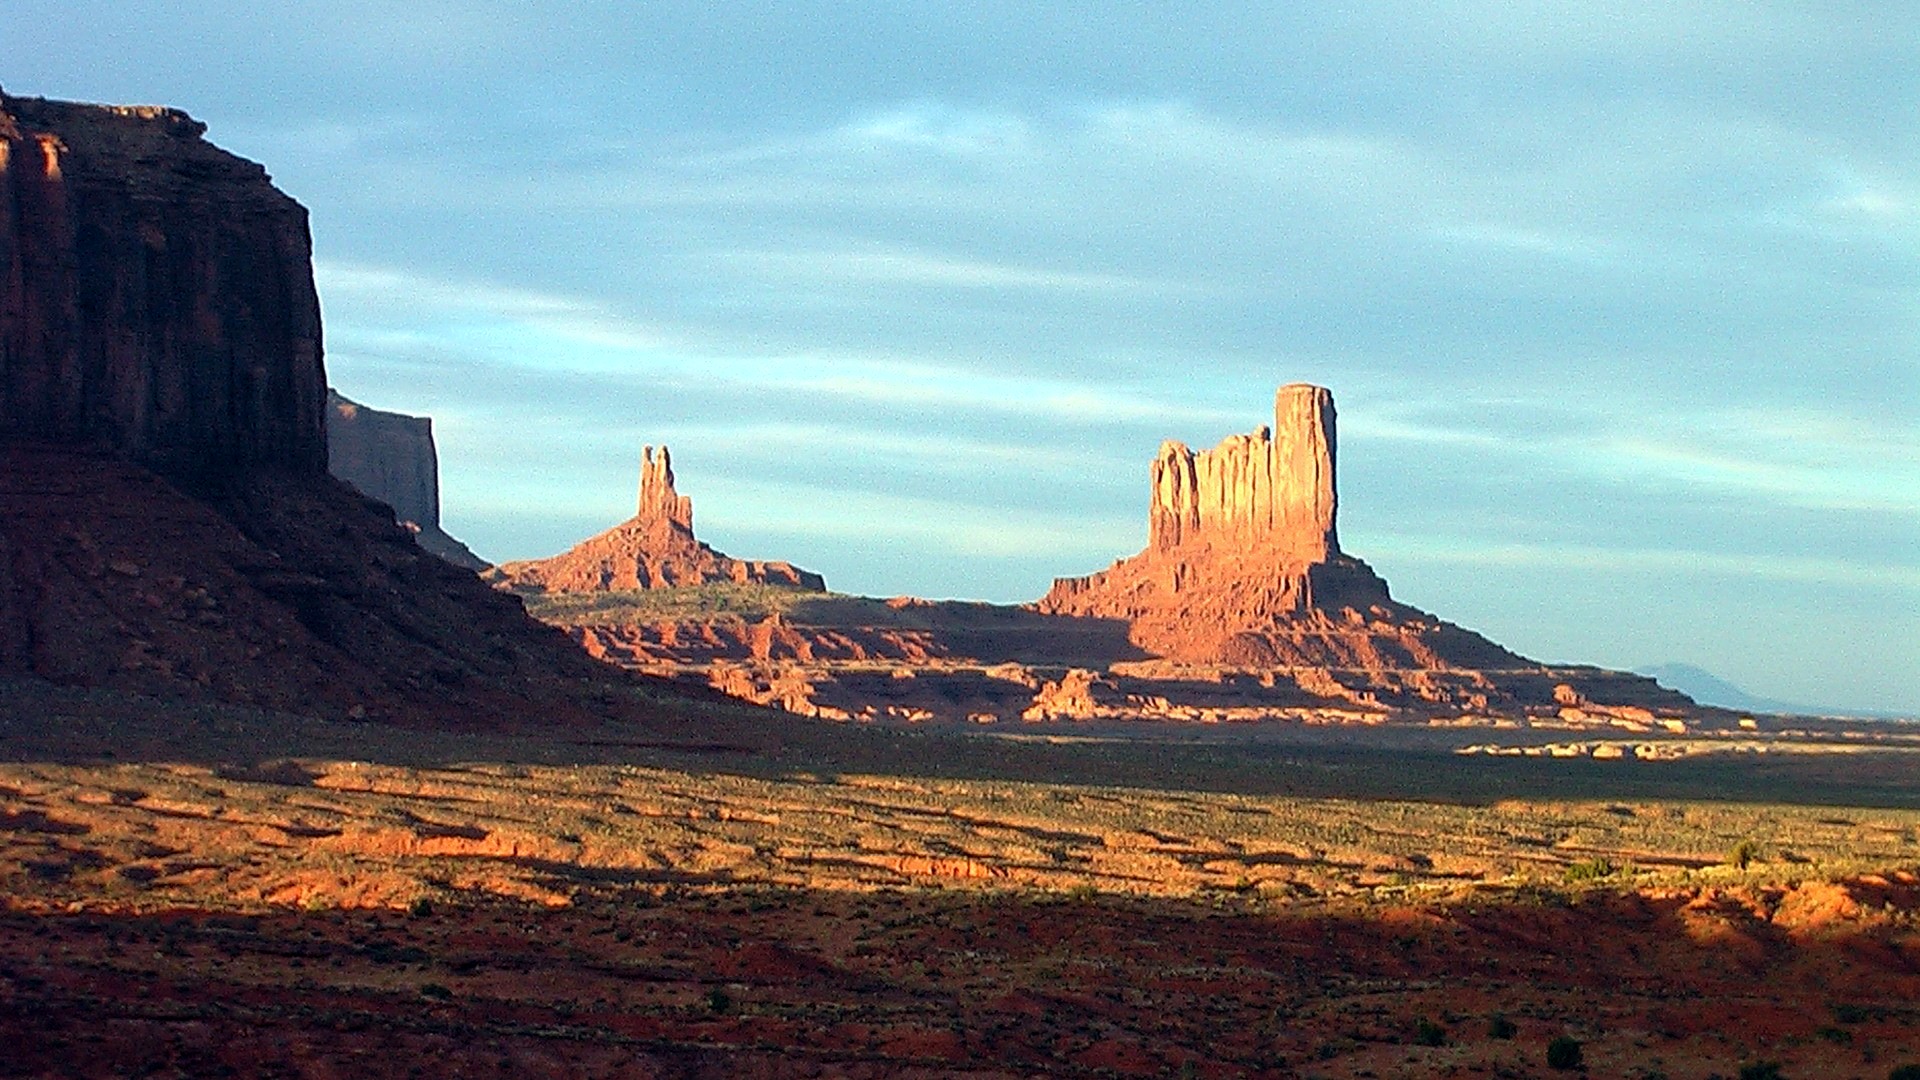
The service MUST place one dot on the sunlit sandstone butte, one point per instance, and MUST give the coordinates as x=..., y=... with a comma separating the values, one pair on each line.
x=654, y=549
x=1243, y=563
x=1242, y=607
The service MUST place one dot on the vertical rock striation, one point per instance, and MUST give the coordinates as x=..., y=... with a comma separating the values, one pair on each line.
x=1243, y=562
x=1272, y=490
x=156, y=295
x=167, y=524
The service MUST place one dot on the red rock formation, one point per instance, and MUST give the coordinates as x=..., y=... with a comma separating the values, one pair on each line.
x=156, y=295
x=658, y=501
x=167, y=525
x=1243, y=562
x=654, y=549
x=390, y=457
x=1244, y=571
x=1271, y=491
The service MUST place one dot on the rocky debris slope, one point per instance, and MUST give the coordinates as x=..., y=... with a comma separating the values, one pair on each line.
x=390, y=457
x=654, y=549
x=167, y=524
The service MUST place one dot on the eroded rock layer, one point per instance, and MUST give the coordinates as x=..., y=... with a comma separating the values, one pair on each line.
x=156, y=295
x=654, y=549
x=1243, y=564
x=167, y=524
x=390, y=457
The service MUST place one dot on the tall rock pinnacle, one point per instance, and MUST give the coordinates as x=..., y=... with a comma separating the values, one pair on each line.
x=658, y=501
x=1272, y=491
x=654, y=549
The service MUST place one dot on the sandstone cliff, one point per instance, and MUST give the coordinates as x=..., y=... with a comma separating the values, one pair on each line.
x=167, y=524
x=157, y=295
x=1271, y=491
x=654, y=549
x=1243, y=562
x=390, y=457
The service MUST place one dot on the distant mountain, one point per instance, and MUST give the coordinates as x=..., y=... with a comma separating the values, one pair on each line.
x=1709, y=689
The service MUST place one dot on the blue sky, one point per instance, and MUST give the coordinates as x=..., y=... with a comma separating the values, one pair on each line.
x=1620, y=301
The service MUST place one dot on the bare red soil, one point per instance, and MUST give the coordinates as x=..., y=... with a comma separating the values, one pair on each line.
x=785, y=983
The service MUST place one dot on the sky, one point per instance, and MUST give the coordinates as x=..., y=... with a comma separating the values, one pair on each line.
x=1619, y=301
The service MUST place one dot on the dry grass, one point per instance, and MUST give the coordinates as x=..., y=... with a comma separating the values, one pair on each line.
x=733, y=894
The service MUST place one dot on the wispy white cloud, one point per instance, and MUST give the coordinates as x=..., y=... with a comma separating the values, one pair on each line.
x=879, y=519
x=883, y=264
x=1680, y=563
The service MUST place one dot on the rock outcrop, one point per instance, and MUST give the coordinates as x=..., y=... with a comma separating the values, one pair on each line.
x=654, y=549
x=167, y=524
x=1243, y=562
x=156, y=294
x=1241, y=609
x=1272, y=491
x=390, y=457
x=1243, y=570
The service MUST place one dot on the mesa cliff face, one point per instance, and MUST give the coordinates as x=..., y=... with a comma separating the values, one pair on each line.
x=157, y=295
x=654, y=549
x=390, y=457
x=1271, y=491
x=167, y=524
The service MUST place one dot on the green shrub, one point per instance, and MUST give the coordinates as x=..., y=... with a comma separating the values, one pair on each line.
x=1594, y=869
x=1904, y=1072
x=1428, y=1033
x=1563, y=1052
x=1761, y=1070
x=718, y=1001
x=1499, y=1027
x=1743, y=853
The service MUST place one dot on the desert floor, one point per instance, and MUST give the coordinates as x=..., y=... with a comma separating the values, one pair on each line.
x=195, y=891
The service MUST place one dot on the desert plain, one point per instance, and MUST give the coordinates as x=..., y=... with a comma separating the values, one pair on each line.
x=207, y=890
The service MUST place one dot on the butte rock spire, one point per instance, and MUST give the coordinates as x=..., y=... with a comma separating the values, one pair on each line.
x=1243, y=563
x=654, y=549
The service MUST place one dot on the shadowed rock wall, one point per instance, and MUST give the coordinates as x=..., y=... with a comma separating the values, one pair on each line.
x=167, y=524
x=390, y=456
x=156, y=295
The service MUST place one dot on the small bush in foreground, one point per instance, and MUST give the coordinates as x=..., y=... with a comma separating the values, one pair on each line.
x=1761, y=1070
x=1499, y=1027
x=1596, y=869
x=1904, y=1072
x=1428, y=1033
x=1563, y=1052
